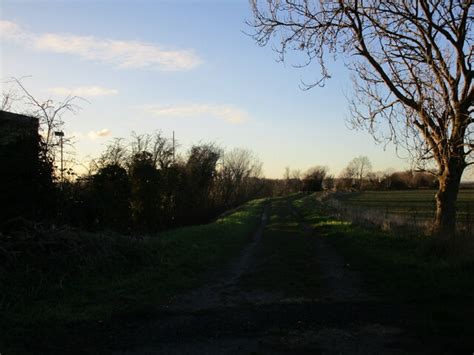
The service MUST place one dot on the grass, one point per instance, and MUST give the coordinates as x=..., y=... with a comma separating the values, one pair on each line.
x=410, y=203
x=404, y=267
x=74, y=281
x=286, y=262
x=407, y=269
x=64, y=289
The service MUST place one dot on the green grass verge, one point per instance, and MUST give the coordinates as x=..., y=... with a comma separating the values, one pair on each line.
x=95, y=279
x=286, y=262
x=403, y=267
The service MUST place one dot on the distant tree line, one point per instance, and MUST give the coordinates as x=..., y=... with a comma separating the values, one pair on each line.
x=398, y=180
x=357, y=175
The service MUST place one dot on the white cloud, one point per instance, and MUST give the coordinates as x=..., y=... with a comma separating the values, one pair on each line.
x=99, y=134
x=10, y=30
x=119, y=53
x=228, y=113
x=92, y=135
x=84, y=91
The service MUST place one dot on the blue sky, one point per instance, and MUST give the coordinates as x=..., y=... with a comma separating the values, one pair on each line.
x=185, y=66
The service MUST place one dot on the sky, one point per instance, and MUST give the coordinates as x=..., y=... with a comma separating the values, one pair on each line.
x=182, y=66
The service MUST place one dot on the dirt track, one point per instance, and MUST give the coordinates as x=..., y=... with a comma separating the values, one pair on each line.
x=221, y=318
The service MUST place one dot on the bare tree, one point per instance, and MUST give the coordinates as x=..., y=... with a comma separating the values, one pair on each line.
x=17, y=98
x=242, y=164
x=240, y=167
x=358, y=169
x=162, y=151
x=9, y=97
x=49, y=113
x=159, y=147
x=116, y=153
x=412, y=65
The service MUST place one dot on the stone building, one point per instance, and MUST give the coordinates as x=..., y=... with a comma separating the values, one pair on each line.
x=19, y=167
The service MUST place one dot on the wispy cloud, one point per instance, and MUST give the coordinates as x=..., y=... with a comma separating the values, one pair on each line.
x=99, y=134
x=119, y=53
x=228, y=113
x=93, y=135
x=84, y=91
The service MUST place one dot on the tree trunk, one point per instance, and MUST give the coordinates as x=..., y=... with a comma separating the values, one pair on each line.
x=449, y=181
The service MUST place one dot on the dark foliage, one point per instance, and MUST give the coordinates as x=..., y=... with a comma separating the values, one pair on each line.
x=314, y=178
x=133, y=192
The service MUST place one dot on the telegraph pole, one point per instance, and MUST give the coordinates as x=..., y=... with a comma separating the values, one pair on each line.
x=174, y=148
x=60, y=134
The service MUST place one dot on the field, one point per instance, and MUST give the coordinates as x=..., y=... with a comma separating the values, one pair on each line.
x=412, y=207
